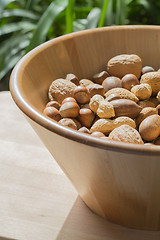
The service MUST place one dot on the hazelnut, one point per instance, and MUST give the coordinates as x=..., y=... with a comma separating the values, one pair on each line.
x=78, y=124
x=69, y=109
x=97, y=134
x=53, y=104
x=85, y=106
x=84, y=130
x=81, y=94
x=129, y=80
x=111, y=82
x=71, y=77
x=68, y=122
x=69, y=99
x=86, y=117
x=147, y=69
x=99, y=77
x=95, y=89
x=53, y=113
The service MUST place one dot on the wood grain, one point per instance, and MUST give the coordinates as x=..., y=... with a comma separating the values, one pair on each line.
x=118, y=181
x=37, y=201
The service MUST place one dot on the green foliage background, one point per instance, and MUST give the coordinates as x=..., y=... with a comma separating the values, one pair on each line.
x=24, y=24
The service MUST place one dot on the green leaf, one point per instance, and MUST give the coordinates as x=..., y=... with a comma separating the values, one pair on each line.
x=103, y=14
x=69, y=16
x=18, y=13
x=45, y=22
x=110, y=14
x=12, y=42
x=120, y=12
x=11, y=48
x=11, y=63
x=93, y=18
x=4, y=3
x=79, y=25
x=14, y=27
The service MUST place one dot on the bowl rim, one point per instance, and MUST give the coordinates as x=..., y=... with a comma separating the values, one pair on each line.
x=35, y=115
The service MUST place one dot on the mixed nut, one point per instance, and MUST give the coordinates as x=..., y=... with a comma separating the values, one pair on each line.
x=119, y=104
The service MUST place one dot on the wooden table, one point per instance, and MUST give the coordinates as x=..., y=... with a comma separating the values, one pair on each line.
x=37, y=201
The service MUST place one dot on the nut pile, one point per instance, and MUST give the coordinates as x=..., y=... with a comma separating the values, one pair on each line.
x=119, y=104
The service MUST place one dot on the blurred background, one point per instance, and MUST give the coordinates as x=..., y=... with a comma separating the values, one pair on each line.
x=24, y=24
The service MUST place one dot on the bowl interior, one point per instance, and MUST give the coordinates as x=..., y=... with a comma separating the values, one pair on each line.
x=84, y=54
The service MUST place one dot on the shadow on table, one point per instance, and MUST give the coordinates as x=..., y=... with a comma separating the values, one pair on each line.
x=4, y=238
x=82, y=223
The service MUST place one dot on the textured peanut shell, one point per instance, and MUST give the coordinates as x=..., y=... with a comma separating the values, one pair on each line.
x=121, y=65
x=94, y=102
x=153, y=79
x=123, y=93
x=107, y=125
x=126, y=134
x=143, y=91
x=105, y=110
x=126, y=107
x=146, y=112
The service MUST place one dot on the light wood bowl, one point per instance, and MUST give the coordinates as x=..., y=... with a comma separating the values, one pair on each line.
x=120, y=182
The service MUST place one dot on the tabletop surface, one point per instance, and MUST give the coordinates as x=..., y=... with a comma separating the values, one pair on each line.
x=37, y=201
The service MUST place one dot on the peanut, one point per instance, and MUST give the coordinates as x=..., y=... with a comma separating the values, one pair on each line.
x=94, y=102
x=142, y=91
x=107, y=125
x=153, y=79
x=123, y=64
x=105, y=109
x=124, y=93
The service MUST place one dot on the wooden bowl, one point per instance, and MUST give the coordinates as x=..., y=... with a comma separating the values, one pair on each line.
x=120, y=182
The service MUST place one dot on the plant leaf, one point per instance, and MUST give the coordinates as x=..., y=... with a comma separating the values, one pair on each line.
x=79, y=24
x=11, y=64
x=18, y=13
x=14, y=27
x=12, y=42
x=69, y=16
x=4, y=3
x=103, y=14
x=121, y=10
x=54, y=9
x=93, y=18
x=110, y=14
